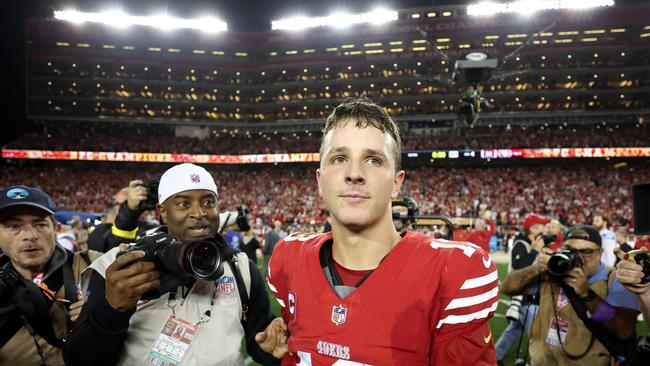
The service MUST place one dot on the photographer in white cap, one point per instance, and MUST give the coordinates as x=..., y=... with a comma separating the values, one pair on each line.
x=137, y=303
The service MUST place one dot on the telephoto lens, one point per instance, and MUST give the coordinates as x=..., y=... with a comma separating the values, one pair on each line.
x=201, y=259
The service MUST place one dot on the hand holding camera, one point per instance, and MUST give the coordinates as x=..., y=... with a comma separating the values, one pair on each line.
x=136, y=194
x=128, y=278
x=175, y=262
x=576, y=279
x=542, y=260
x=633, y=271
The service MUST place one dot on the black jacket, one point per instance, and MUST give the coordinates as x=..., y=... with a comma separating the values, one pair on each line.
x=105, y=236
x=522, y=255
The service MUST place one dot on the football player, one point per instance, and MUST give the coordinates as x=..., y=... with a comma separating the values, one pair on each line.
x=363, y=293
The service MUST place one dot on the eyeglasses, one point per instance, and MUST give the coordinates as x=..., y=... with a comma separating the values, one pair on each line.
x=585, y=252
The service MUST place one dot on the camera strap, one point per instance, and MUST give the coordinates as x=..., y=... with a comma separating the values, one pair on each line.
x=205, y=317
x=619, y=349
x=241, y=286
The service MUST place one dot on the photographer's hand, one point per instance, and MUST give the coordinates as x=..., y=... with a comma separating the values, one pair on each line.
x=274, y=338
x=630, y=273
x=127, y=278
x=538, y=244
x=75, y=308
x=137, y=193
x=542, y=259
x=578, y=281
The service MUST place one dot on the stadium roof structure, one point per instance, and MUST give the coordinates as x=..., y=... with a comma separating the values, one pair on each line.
x=609, y=42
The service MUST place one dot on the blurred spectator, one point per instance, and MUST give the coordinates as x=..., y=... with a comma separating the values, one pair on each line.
x=270, y=239
x=601, y=224
x=249, y=245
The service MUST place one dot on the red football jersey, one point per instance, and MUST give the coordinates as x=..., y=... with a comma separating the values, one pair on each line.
x=428, y=302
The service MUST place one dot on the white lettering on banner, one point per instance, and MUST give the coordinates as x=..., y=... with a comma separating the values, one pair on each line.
x=467, y=248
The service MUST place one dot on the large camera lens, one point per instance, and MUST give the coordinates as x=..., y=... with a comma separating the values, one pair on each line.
x=562, y=262
x=202, y=259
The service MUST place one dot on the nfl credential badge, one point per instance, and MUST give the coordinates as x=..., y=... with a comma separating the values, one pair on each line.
x=226, y=285
x=339, y=314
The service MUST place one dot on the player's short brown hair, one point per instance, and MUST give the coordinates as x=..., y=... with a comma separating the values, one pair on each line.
x=365, y=113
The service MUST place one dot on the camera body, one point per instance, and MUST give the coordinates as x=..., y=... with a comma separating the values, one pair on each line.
x=242, y=219
x=152, y=195
x=411, y=206
x=562, y=261
x=201, y=259
x=548, y=239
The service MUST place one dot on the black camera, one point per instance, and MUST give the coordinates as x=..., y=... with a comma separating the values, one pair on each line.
x=201, y=259
x=411, y=206
x=548, y=239
x=642, y=258
x=562, y=261
x=242, y=220
x=152, y=195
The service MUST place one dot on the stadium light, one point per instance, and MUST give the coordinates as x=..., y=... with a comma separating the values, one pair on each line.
x=121, y=20
x=338, y=20
x=526, y=7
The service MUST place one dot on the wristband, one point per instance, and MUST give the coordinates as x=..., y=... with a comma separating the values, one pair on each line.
x=124, y=234
x=604, y=313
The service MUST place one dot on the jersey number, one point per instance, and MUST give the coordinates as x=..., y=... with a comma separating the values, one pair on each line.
x=467, y=248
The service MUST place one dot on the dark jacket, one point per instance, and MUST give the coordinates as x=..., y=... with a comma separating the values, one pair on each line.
x=127, y=228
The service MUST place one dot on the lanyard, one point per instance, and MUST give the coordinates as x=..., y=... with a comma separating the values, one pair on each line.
x=39, y=278
x=205, y=317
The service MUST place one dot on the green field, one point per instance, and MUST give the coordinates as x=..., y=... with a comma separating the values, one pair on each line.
x=498, y=323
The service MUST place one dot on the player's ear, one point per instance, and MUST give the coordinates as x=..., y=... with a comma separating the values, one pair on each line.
x=397, y=183
x=162, y=211
x=320, y=191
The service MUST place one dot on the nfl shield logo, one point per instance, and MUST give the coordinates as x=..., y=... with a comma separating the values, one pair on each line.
x=195, y=178
x=339, y=313
x=226, y=285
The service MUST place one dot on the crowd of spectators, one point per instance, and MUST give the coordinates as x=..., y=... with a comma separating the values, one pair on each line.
x=79, y=137
x=578, y=80
x=573, y=193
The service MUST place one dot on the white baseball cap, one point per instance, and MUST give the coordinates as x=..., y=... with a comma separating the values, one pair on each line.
x=184, y=177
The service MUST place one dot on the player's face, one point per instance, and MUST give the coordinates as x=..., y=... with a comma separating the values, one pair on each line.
x=28, y=237
x=357, y=177
x=191, y=214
